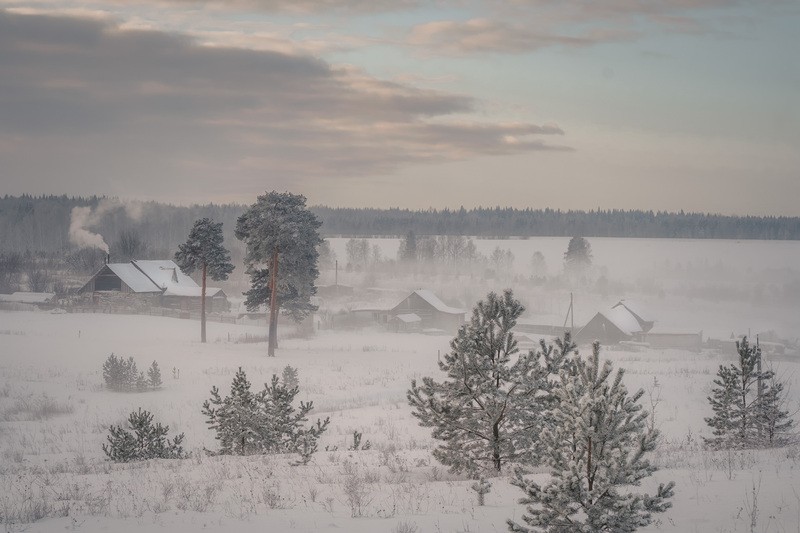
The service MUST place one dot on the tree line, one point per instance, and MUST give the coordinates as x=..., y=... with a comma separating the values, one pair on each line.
x=41, y=224
x=511, y=222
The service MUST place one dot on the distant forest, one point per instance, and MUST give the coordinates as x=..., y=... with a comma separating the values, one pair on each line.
x=41, y=223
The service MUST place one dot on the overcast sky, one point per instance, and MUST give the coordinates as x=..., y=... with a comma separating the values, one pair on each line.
x=571, y=104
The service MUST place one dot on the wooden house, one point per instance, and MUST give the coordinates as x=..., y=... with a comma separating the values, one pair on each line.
x=432, y=312
x=156, y=283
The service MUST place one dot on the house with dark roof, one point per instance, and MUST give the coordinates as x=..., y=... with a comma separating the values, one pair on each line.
x=155, y=282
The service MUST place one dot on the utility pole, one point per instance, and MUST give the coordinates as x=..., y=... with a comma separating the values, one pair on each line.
x=570, y=314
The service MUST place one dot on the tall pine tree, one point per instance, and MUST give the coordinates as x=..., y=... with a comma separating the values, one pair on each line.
x=596, y=440
x=282, y=241
x=490, y=404
x=204, y=251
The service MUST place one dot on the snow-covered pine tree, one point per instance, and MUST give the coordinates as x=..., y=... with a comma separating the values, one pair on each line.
x=263, y=422
x=148, y=440
x=776, y=424
x=747, y=404
x=154, y=376
x=113, y=372
x=596, y=440
x=204, y=251
x=287, y=433
x=236, y=418
x=492, y=399
x=290, y=378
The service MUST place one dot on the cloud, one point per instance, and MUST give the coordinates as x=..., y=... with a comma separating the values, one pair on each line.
x=87, y=106
x=483, y=35
x=521, y=26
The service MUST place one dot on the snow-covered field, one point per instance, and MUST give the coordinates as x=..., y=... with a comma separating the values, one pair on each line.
x=55, y=413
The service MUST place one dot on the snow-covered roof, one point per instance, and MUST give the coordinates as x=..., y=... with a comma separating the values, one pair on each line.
x=133, y=277
x=193, y=292
x=409, y=318
x=637, y=309
x=148, y=276
x=164, y=273
x=27, y=297
x=623, y=319
x=439, y=305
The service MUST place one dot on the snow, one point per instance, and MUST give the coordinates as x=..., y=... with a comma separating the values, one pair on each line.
x=194, y=292
x=637, y=308
x=164, y=273
x=409, y=317
x=27, y=297
x=359, y=380
x=133, y=277
x=438, y=304
x=623, y=319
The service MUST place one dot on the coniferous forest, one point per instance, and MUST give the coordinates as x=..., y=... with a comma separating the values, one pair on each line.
x=41, y=223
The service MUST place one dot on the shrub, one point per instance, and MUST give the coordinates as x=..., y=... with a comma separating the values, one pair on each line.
x=263, y=422
x=148, y=440
x=154, y=376
x=122, y=375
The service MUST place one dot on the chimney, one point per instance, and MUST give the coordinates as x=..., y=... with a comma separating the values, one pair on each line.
x=108, y=258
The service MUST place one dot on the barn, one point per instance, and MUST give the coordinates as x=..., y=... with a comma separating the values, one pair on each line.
x=155, y=282
x=430, y=311
x=625, y=321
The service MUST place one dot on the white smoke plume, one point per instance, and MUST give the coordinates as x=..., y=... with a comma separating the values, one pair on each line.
x=83, y=218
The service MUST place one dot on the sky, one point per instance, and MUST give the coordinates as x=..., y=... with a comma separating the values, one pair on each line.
x=571, y=104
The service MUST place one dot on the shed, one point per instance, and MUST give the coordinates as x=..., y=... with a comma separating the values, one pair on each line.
x=406, y=322
x=674, y=339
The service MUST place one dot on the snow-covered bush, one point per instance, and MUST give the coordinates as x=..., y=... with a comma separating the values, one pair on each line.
x=148, y=440
x=264, y=422
x=122, y=375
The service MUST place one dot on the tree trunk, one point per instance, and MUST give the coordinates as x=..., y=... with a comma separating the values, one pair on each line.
x=203, y=306
x=496, y=459
x=273, y=305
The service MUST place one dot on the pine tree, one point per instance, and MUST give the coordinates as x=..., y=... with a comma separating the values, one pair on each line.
x=148, y=440
x=578, y=256
x=408, y=248
x=286, y=423
x=747, y=403
x=491, y=401
x=154, y=376
x=204, y=251
x=263, y=422
x=113, y=374
x=281, y=232
x=141, y=382
x=775, y=421
x=236, y=418
x=596, y=441
x=290, y=377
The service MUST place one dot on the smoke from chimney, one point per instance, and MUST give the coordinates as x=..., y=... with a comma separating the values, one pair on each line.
x=83, y=218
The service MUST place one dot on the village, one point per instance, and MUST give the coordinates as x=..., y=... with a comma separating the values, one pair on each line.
x=158, y=287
